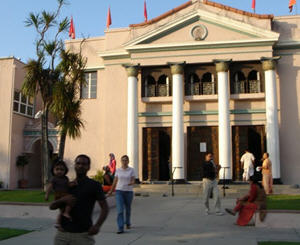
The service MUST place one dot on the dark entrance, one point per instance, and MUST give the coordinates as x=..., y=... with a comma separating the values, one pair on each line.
x=247, y=137
x=156, y=153
x=206, y=135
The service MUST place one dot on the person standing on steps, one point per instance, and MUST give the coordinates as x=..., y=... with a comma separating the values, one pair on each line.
x=210, y=184
x=247, y=162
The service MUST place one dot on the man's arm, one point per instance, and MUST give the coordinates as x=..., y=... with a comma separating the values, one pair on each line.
x=66, y=200
x=102, y=217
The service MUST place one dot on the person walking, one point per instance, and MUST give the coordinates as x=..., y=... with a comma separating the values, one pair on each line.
x=79, y=230
x=123, y=183
x=210, y=184
x=267, y=180
x=247, y=162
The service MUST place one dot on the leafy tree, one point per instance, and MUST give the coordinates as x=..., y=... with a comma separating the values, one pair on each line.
x=66, y=100
x=41, y=72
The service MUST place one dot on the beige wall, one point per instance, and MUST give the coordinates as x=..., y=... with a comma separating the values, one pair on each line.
x=106, y=117
x=7, y=74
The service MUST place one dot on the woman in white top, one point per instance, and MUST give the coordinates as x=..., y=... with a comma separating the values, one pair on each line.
x=123, y=182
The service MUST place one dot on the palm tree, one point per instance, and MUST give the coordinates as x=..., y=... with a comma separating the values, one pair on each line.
x=41, y=73
x=66, y=100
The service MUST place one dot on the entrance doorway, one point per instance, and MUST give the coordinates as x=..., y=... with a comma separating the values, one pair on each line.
x=156, y=153
x=201, y=140
x=252, y=138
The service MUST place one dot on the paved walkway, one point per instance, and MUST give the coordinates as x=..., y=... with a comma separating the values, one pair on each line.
x=160, y=220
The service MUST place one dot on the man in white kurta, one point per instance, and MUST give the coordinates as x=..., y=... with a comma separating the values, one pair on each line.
x=247, y=161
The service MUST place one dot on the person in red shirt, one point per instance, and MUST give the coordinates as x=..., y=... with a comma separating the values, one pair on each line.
x=110, y=170
x=247, y=205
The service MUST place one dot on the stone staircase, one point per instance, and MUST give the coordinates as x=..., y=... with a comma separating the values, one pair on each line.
x=195, y=189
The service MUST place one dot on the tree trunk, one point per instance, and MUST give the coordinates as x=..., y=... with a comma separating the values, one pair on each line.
x=45, y=148
x=62, y=144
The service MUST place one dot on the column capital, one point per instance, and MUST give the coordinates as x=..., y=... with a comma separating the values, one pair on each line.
x=132, y=70
x=269, y=63
x=177, y=68
x=222, y=65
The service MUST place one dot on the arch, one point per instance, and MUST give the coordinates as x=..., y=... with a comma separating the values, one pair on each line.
x=192, y=84
x=52, y=140
x=254, y=82
x=163, y=85
x=239, y=82
x=150, y=85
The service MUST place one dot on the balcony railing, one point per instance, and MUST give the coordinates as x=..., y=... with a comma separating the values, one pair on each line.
x=159, y=90
x=247, y=87
x=204, y=88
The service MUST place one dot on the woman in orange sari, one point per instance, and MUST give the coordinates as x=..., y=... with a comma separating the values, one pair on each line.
x=247, y=205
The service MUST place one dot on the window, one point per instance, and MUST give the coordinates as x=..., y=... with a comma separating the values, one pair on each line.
x=89, y=90
x=23, y=104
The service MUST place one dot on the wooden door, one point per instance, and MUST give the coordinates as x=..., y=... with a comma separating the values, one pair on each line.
x=247, y=137
x=197, y=135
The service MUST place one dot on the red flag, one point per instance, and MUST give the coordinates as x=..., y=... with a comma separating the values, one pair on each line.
x=72, y=29
x=108, y=22
x=253, y=5
x=145, y=11
x=291, y=4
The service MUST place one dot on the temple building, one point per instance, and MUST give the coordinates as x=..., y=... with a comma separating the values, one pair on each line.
x=203, y=77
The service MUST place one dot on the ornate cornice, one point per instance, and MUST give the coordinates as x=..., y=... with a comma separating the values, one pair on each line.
x=177, y=68
x=222, y=65
x=132, y=70
x=269, y=63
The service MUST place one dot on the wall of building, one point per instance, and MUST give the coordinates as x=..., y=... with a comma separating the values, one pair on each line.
x=7, y=74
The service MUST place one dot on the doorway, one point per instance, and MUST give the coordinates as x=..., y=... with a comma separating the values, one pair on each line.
x=156, y=153
x=201, y=140
x=252, y=138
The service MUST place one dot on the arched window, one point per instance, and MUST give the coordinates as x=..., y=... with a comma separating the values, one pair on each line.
x=163, y=86
x=207, y=84
x=254, y=82
x=239, y=82
x=150, y=86
x=192, y=85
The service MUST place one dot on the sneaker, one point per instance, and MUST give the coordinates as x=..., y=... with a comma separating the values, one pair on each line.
x=128, y=227
x=120, y=232
x=230, y=211
x=219, y=213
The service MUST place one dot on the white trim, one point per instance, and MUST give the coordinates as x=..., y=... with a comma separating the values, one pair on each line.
x=194, y=44
x=212, y=17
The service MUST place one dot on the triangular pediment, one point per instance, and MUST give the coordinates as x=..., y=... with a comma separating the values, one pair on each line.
x=185, y=28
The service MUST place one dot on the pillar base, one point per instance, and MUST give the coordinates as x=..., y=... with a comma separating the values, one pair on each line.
x=179, y=181
x=225, y=181
x=277, y=181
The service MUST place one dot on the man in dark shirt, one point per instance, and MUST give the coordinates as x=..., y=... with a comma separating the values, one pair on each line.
x=80, y=228
x=210, y=171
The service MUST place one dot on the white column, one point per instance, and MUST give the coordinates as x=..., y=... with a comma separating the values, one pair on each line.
x=224, y=122
x=272, y=129
x=132, y=120
x=177, y=120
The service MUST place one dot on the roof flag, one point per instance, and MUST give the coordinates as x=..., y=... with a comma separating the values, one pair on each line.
x=253, y=5
x=145, y=11
x=72, y=29
x=108, y=22
x=291, y=4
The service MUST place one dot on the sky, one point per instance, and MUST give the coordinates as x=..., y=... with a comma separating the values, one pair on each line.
x=90, y=17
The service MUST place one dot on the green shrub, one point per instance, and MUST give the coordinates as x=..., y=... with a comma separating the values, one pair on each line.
x=99, y=176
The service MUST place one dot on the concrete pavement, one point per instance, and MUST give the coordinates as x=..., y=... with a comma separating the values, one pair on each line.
x=162, y=220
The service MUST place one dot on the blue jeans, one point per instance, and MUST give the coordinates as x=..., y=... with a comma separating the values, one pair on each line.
x=123, y=200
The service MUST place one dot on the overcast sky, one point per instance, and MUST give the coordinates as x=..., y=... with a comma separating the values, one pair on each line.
x=90, y=17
